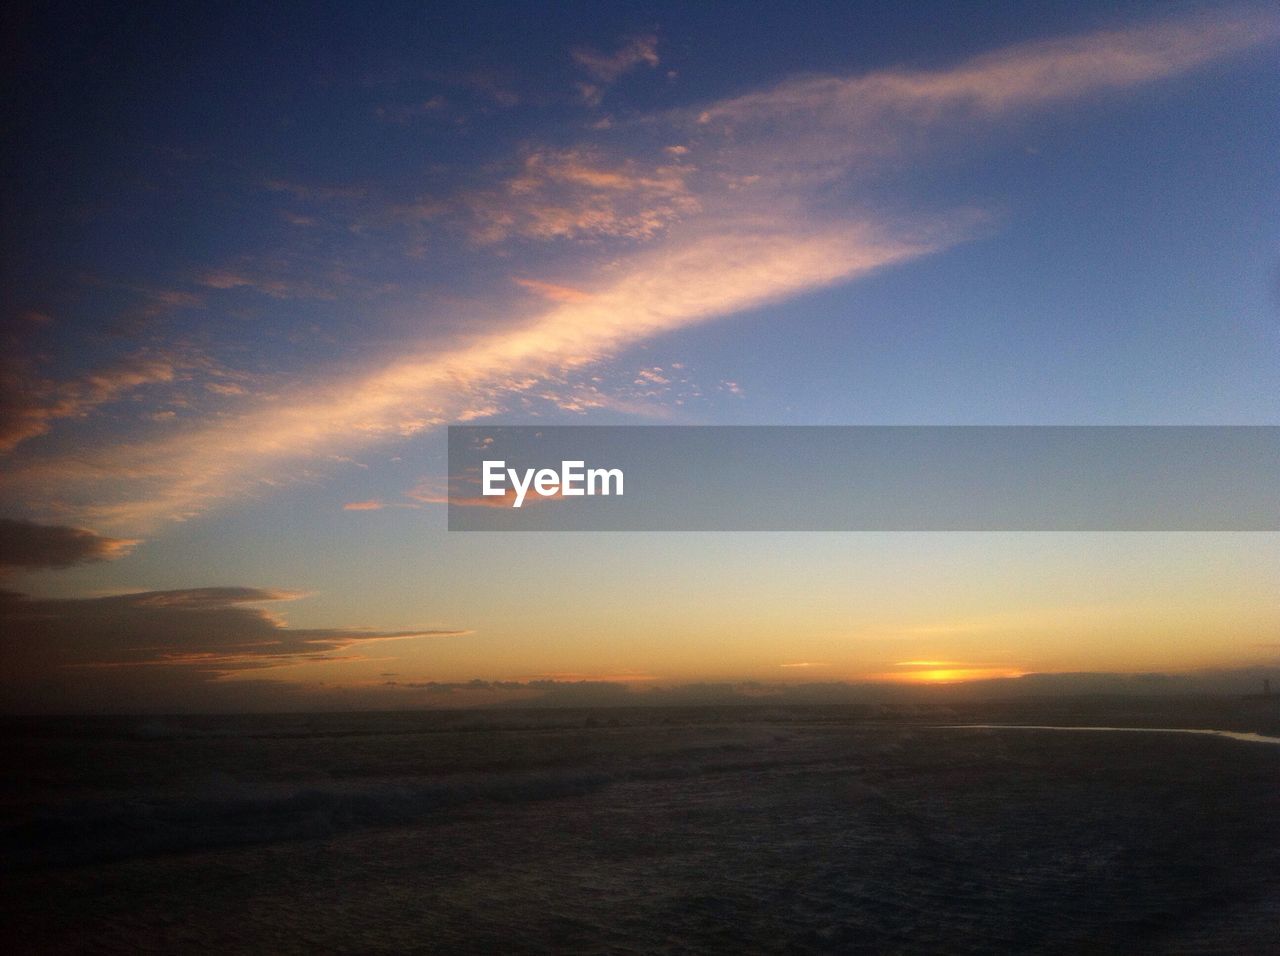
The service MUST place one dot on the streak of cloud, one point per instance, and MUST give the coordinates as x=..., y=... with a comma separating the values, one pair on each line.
x=824, y=123
x=371, y=505
x=667, y=289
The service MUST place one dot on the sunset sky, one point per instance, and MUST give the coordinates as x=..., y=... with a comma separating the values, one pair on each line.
x=256, y=258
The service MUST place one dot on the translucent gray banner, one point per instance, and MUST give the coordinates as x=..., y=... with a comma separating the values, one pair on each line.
x=856, y=478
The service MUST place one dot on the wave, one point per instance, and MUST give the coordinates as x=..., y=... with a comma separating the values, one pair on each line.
x=1229, y=734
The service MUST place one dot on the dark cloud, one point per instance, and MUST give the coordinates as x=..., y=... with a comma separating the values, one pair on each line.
x=538, y=694
x=153, y=646
x=25, y=545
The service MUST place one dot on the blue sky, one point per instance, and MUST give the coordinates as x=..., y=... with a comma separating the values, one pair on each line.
x=256, y=260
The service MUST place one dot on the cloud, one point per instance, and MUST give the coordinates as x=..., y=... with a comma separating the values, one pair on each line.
x=463, y=491
x=823, y=123
x=371, y=505
x=579, y=193
x=316, y=194
x=806, y=664
x=740, y=219
x=624, y=677
x=556, y=293
x=403, y=113
x=274, y=286
x=31, y=403
x=606, y=68
x=25, y=545
x=505, y=500
x=70, y=648
x=701, y=278
x=297, y=219
x=633, y=690
x=431, y=490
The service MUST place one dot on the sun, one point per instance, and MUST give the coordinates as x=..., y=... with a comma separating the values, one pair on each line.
x=945, y=672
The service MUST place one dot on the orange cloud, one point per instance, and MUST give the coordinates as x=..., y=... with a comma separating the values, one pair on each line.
x=30, y=404
x=505, y=500
x=555, y=293
x=576, y=193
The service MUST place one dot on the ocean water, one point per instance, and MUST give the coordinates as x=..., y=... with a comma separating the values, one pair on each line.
x=632, y=831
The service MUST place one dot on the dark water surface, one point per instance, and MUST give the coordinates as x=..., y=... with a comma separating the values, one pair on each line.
x=638, y=831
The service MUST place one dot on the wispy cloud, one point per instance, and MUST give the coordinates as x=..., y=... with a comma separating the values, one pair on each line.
x=806, y=664
x=827, y=122
x=408, y=112
x=698, y=279
x=312, y=193
x=371, y=505
x=276, y=287
x=734, y=217
x=549, y=290
x=606, y=68
x=578, y=193
x=30, y=404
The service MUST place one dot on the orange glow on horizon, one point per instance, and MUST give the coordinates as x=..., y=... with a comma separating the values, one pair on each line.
x=946, y=672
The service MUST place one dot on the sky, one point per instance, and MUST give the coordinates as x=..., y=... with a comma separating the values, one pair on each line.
x=256, y=260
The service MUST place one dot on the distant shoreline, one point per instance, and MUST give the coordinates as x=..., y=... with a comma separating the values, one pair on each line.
x=1229, y=734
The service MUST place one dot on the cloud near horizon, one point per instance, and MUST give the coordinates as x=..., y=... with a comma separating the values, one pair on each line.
x=77, y=649
x=728, y=213
x=27, y=546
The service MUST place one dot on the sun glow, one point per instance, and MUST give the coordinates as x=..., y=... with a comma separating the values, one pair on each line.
x=945, y=672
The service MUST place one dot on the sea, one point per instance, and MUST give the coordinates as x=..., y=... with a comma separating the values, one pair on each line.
x=632, y=830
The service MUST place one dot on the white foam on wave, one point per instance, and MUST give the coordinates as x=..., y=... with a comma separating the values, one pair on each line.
x=1229, y=734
